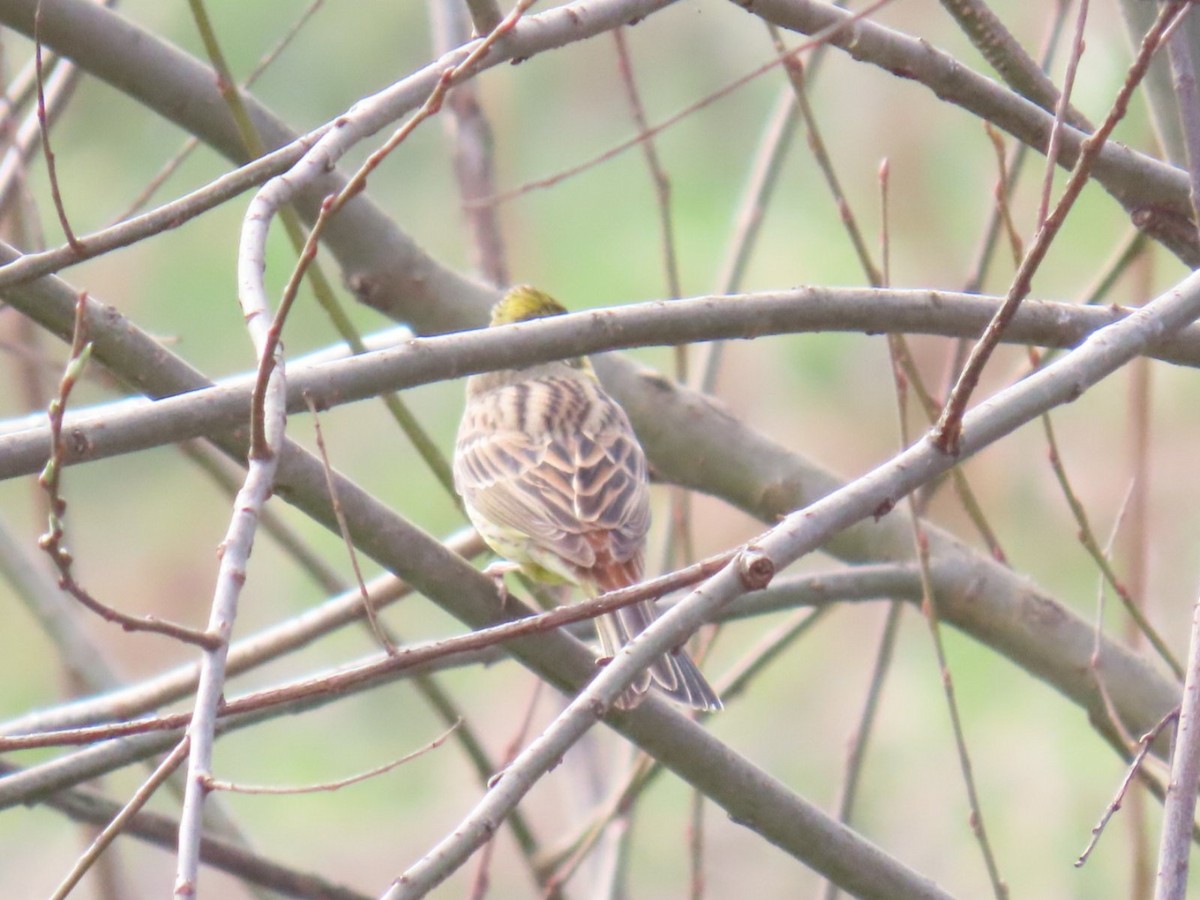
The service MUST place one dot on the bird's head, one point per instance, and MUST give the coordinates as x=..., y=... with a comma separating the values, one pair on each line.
x=523, y=303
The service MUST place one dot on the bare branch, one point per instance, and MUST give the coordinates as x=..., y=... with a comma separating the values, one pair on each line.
x=89, y=807
x=111, y=430
x=1179, y=812
x=1143, y=186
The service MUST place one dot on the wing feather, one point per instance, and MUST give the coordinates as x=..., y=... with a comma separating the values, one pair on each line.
x=554, y=459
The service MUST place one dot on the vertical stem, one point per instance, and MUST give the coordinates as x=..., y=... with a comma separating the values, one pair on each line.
x=1179, y=811
x=1136, y=547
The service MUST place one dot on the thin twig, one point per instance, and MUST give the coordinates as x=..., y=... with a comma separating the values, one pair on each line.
x=856, y=751
x=1134, y=550
x=1011, y=166
x=1179, y=811
x=1095, y=662
x=1183, y=78
x=1087, y=538
x=332, y=204
x=384, y=640
x=767, y=649
x=763, y=176
x=139, y=799
x=43, y=121
x=928, y=599
x=157, y=830
x=1144, y=745
x=662, y=183
x=479, y=886
x=816, y=40
x=1005, y=181
x=470, y=135
x=678, y=547
x=1125, y=254
x=929, y=607
x=1009, y=58
x=948, y=431
x=1061, y=111
x=22, y=141
x=51, y=479
x=696, y=855
x=795, y=74
x=189, y=146
x=277, y=790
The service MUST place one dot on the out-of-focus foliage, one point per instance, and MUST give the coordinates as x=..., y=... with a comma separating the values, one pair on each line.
x=144, y=529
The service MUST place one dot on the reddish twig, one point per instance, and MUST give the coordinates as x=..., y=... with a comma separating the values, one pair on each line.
x=50, y=481
x=344, y=529
x=479, y=885
x=1087, y=538
x=1061, y=111
x=816, y=40
x=114, y=828
x=334, y=203
x=214, y=785
x=471, y=138
x=947, y=433
x=44, y=123
x=658, y=173
x=928, y=600
x=1003, y=210
x=1134, y=767
x=348, y=679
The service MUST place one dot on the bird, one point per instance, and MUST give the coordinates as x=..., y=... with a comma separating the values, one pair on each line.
x=552, y=476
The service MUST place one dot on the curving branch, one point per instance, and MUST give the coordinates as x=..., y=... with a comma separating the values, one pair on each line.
x=801, y=532
x=1153, y=193
x=376, y=257
x=742, y=789
x=983, y=598
x=690, y=440
x=114, y=429
x=859, y=584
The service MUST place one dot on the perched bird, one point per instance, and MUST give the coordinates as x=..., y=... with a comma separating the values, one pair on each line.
x=554, y=479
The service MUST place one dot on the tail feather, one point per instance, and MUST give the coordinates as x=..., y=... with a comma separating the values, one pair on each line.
x=674, y=672
x=692, y=687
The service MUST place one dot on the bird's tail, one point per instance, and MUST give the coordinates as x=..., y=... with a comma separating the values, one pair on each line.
x=674, y=672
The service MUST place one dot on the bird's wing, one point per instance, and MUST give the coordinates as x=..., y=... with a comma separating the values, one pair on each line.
x=561, y=479
x=609, y=485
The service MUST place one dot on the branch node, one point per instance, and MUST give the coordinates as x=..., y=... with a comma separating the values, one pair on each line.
x=754, y=568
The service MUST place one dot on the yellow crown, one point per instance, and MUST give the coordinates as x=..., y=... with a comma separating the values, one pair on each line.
x=523, y=303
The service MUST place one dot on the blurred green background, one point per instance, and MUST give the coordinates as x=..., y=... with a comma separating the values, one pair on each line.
x=144, y=530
